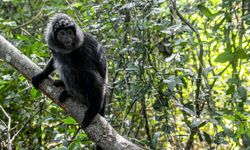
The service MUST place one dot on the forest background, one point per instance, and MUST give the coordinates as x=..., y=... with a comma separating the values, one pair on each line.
x=178, y=72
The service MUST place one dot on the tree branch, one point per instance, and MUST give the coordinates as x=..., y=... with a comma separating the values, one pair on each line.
x=100, y=131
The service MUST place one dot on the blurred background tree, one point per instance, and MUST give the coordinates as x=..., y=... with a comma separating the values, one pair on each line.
x=178, y=72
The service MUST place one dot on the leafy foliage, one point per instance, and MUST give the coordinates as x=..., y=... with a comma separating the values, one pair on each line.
x=196, y=97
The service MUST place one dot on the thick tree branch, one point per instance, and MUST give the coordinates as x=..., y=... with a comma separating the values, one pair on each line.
x=100, y=131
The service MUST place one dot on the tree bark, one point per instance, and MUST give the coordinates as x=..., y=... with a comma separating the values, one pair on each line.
x=100, y=131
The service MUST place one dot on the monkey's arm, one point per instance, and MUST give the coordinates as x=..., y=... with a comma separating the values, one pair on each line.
x=37, y=79
x=49, y=68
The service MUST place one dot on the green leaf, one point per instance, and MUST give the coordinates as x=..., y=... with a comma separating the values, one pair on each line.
x=202, y=124
x=75, y=145
x=69, y=120
x=230, y=90
x=246, y=136
x=184, y=82
x=2, y=127
x=77, y=4
x=10, y=23
x=3, y=82
x=128, y=6
x=207, y=137
x=232, y=80
x=166, y=32
x=241, y=54
x=70, y=130
x=189, y=111
x=197, y=122
x=224, y=57
x=217, y=14
x=242, y=93
x=205, y=11
x=217, y=26
x=171, y=82
x=157, y=10
x=156, y=139
x=159, y=104
x=33, y=92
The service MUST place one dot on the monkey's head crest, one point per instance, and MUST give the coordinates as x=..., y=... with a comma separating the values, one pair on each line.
x=62, y=21
x=58, y=22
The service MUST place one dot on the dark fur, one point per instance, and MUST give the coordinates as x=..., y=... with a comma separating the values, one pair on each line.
x=82, y=68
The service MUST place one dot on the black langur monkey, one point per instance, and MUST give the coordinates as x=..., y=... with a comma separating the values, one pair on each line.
x=81, y=63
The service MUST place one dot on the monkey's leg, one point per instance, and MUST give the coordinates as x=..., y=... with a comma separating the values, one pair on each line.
x=91, y=112
x=94, y=102
x=37, y=79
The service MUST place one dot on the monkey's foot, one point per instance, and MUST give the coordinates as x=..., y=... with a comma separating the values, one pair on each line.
x=63, y=96
x=59, y=83
x=85, y=123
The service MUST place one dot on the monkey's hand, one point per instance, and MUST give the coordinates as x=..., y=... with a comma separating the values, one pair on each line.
x=36, y=80
x=63, y=96
x=59, y=83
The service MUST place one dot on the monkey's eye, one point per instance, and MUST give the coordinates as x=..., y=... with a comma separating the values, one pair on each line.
x=70, y=32
x=61, y=32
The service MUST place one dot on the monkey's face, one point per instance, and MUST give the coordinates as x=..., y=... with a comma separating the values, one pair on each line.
x=66, y=37
x=63, y=35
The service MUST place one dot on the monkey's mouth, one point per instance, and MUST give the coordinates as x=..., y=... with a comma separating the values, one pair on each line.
x=68, y=44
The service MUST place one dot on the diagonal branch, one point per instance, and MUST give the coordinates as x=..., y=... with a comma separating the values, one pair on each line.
x=100, y=131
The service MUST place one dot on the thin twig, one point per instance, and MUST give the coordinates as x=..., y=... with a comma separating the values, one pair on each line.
x=77, y=17
x=220, y=73
x=9, y=146
x=31, y=20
